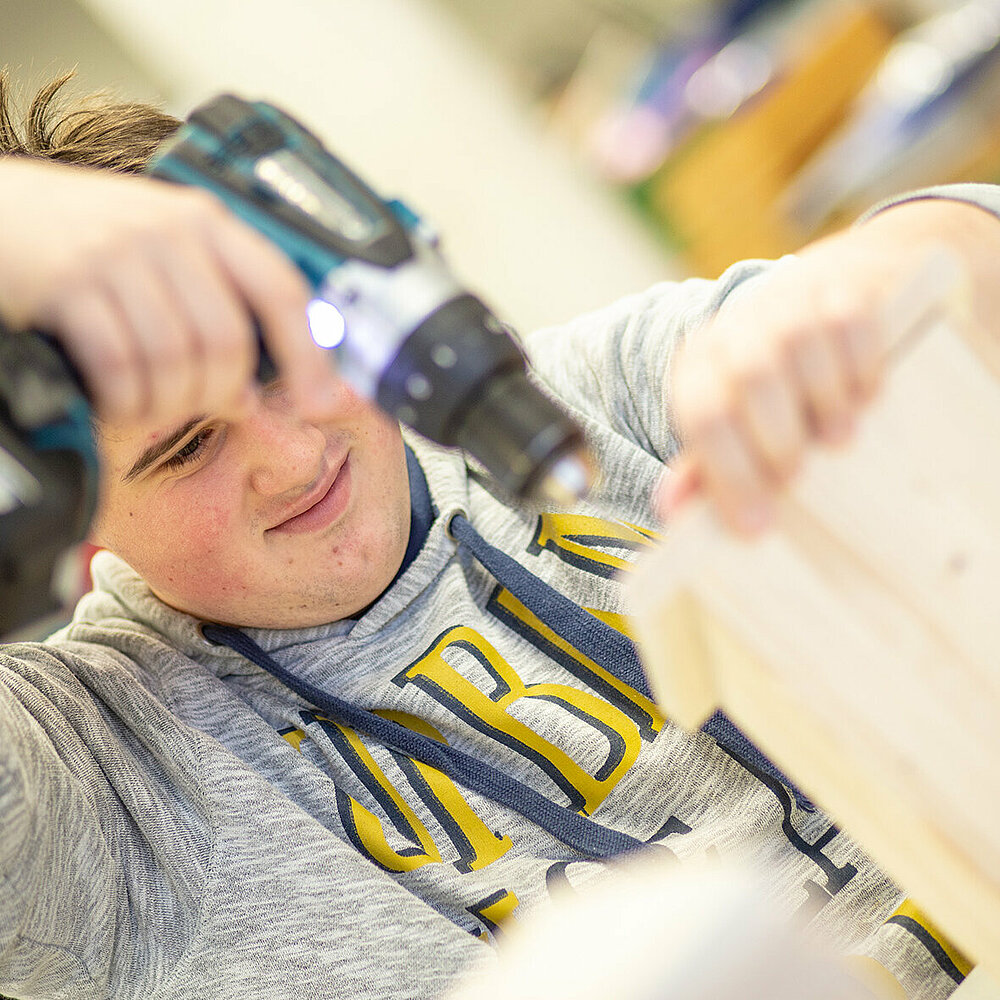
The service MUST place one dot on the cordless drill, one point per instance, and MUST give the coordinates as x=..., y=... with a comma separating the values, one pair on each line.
x=48, y=475
x=414, y=341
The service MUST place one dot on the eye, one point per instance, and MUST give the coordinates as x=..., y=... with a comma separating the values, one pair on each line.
x=190, y=450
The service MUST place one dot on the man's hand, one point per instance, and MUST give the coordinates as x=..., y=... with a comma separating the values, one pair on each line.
x=151, y=289
x=794, y=359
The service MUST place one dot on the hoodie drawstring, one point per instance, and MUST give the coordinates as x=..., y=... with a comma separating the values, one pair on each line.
x=574, y=830
x=600, y=642
x=592, y=637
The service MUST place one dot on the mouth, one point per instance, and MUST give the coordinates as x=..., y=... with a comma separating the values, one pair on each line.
x=321, y=506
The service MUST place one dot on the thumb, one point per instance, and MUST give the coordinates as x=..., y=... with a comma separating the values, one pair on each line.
x=677, y=485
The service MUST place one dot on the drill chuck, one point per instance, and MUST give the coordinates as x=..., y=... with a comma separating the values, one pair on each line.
x=460, y=379
x=529, y=445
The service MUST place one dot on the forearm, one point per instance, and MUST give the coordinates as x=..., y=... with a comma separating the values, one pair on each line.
x=154, y=282
x=30, y=191
x=965, y=218
x=613, y=365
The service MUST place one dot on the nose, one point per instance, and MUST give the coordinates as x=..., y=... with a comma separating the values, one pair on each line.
x=283, y=452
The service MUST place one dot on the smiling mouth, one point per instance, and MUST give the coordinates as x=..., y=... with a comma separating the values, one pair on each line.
x=324, y=510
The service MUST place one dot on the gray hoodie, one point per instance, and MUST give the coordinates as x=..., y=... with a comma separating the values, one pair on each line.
x=178, y=823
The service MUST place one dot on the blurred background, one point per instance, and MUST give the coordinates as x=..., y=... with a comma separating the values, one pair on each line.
x=570, y=151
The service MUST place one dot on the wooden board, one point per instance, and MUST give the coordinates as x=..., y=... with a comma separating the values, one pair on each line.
x=859, y=643
x=977, y=985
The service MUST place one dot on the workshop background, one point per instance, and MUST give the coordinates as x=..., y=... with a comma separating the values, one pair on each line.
x=570, y=151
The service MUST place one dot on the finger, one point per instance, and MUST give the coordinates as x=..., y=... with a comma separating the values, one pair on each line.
x=278, y=296
x=774, y=423
x=935, y=283
x=858, y=339
x=819, y=375
x=766, y=401
x=166, y=345
x=864, y=355
x=677, y=485
x=735, y=484
x=220, y=324
x=95, y=336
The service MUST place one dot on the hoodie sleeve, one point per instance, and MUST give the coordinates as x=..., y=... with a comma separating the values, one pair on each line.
x=142, y=860
x=51, y=837
x=984, y=196
x=612, y=366
x=101, y=852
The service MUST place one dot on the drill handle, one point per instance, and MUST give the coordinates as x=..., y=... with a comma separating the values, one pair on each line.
x=48, y=473
x=276, y=175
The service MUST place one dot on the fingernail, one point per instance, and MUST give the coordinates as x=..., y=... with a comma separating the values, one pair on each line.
x=755, y=517
x=247, y=398
x=317, y=399
x=838, y=430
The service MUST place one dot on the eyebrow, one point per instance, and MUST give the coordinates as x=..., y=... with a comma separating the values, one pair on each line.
x=160, y=448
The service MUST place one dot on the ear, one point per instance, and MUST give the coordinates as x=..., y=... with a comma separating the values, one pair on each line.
x=98, y=535
x=95, y=539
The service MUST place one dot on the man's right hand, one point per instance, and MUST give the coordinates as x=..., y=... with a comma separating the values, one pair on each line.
x=152, y=290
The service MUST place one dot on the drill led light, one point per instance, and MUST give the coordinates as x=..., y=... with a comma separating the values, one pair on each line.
x=326, y=324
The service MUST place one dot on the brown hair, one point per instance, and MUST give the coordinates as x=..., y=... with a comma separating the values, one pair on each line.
x=98, y=131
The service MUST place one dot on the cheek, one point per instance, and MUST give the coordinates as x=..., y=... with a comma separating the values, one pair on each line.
x=201, y=527
x=162, y=536
x=198, y=556
x=197, y=527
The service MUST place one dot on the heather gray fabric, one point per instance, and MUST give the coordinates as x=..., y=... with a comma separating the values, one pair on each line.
x=985, y=196
x=177, y=825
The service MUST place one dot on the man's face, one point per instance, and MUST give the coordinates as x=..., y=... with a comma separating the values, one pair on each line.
x=263, y=520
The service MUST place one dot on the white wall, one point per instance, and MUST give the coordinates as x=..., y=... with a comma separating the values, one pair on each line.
x=40, y=39
x=401, y=95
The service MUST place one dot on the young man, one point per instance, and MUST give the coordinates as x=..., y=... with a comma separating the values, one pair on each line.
x=216, y=780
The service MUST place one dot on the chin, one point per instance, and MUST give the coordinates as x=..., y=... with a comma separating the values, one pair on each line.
x=318, y=610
